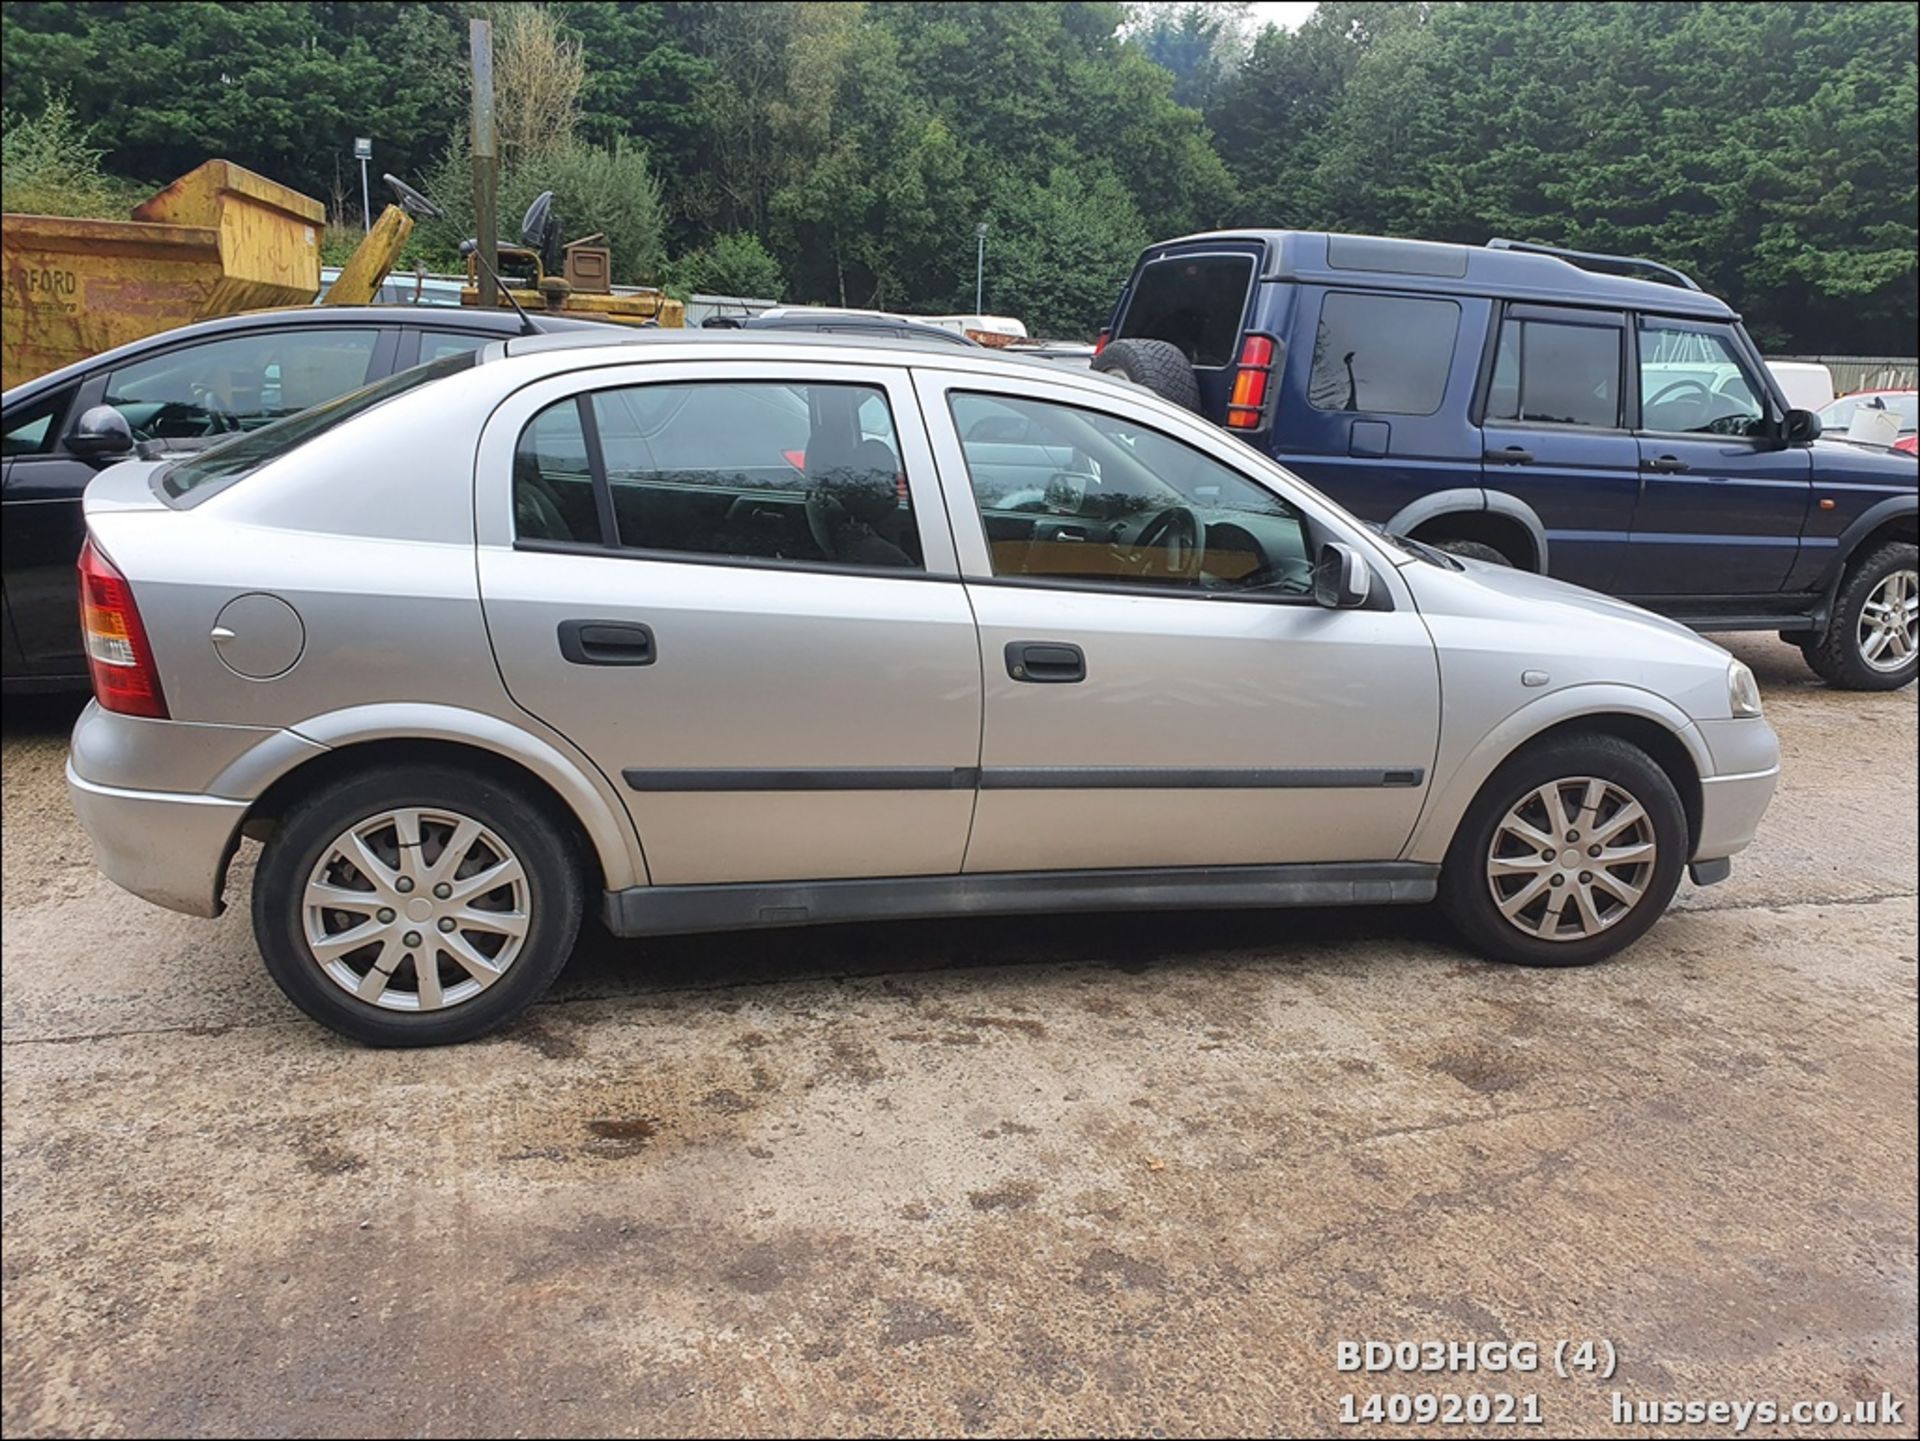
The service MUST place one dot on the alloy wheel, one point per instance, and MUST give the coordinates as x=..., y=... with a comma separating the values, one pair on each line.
x=1571, y=859
x=415, y=909
x=1888, y=632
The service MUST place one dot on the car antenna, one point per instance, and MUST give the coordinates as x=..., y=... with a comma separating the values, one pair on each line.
x=472, y=247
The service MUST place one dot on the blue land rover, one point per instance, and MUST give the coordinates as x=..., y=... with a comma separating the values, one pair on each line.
x=1536, y=407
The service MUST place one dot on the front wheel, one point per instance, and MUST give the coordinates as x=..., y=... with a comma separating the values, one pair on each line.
x=416, y=907
x=1568, y=855
x=1872, y=639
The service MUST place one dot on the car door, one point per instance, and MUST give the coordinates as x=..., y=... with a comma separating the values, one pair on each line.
x=41, y=535
x=709, y=576
x=1723, y=503
x=1160, y=689
x=1555, y=434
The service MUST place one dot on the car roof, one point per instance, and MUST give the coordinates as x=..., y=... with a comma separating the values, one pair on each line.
x=1380, y=263
x=850, y=323
x=503, y=323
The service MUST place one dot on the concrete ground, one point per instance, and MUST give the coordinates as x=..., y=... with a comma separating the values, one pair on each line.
x=1113, y=1174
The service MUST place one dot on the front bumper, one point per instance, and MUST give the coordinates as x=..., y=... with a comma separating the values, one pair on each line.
x=1746, y=765
x=165, y=847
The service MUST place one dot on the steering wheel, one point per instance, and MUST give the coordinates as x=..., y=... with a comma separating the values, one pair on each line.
x=1175, y=543
x=219, y=421
x=1686, y=382
x=412, y=201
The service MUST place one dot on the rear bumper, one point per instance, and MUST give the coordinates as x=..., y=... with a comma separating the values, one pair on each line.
x=165, y=847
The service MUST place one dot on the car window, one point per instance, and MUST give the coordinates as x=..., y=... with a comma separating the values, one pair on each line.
x=1838, y=415
x=434, y=344
x=1073, y=494
x=220, y=465
x=1693, y=381
x=1556, y=374
x=744, y=469
x=34, y=429
x=239, y=383
x=1384, y=354
x=1193, y=302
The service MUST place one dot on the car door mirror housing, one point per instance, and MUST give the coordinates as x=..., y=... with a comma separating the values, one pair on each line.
x=102, y=433
x=1799, y=427
x=1341, y=580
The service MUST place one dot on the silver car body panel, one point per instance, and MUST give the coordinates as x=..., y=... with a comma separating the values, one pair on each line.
x=872, y=710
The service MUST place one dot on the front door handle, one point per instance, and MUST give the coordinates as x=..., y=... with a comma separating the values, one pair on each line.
x=606, y=642
x=1512, y=455
x=1665, y=465
x=1046, y=662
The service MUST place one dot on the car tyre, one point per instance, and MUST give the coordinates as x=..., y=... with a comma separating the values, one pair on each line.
x=1474, y=550
x=1157, y=365
x=513, y=835
x=1878, y=603
x=1619, y=774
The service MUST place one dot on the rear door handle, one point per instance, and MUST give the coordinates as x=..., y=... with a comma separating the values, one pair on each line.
x=1046, y=662
x=606, y=642
x=1665, y=465
x=1512, y=455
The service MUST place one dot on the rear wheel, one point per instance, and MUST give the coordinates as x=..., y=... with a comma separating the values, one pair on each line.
x=1872, y=639
x=1159, y=366
x=416, y=907
x=1568, y=855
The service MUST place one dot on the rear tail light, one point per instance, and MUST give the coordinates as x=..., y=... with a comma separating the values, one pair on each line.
x=124, y=676
x=1101, y=343
x=1247, y=404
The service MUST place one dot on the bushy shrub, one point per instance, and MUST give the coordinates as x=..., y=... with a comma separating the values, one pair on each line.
x=48, y=167
x=733, y=264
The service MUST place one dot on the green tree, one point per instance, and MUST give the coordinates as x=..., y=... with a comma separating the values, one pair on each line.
x=1058, y=252
x=733, y=264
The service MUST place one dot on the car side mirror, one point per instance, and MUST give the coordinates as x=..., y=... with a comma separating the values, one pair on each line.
x=1799, y=427
x=1341, y=580
x=101, y=434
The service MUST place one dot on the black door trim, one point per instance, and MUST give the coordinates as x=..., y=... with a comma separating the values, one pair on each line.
x=1025, y=778
x=667, y=910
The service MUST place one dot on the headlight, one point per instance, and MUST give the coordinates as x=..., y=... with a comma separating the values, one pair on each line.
x=1743, y=691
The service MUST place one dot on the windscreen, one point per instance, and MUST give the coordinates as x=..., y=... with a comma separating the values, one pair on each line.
x=222, y=464
x=1193, y=302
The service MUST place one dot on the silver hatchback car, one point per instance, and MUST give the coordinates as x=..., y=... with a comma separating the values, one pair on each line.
x=719, y=631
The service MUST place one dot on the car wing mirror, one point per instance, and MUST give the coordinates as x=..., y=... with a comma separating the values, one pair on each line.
x=102, y=433
x=1799, y=427
x=1341, y=579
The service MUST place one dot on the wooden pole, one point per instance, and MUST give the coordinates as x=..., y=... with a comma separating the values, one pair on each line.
x=486, y=161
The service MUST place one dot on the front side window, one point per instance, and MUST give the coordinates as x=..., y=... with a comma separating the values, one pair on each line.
x=1073, y=494
x=1548, y=373
x=1692, y=381
x=240, y=383
x=1382, y=354
x=754, y=470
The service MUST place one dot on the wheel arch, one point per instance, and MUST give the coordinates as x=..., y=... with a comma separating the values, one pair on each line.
x=1644, y=719
x=1492, y=517
x=355, y=739
x=1897, y=518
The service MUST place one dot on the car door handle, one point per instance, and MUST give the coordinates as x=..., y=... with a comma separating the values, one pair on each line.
x=606, y=642
x=1512, y=455
x=1046, y=662
x=1665, y=465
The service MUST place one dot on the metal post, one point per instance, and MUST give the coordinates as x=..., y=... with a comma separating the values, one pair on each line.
x=979, y=268
x=486, y=161
x=363, y=152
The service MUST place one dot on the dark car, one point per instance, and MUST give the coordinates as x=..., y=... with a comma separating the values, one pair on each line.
x=1536, y=408
x=181, y=388
x=842, y=322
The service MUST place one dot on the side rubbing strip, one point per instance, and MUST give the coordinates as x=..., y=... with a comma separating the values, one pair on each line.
x=884, y=778
x=1075, y=778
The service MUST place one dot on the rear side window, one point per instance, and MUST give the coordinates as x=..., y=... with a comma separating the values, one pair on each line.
x=1195, y=303
x=738, y=469
x=438, y=344
x=1552, y=374
x=1384, y=354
